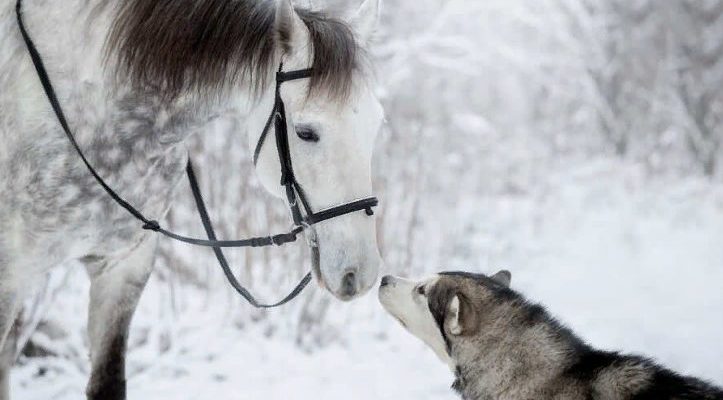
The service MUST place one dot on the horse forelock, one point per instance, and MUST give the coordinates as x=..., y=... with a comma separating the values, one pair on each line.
x=208, y=46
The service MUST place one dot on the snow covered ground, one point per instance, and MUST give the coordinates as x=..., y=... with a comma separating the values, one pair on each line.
x=208, y=357
x=490, y=106
x=630, y=263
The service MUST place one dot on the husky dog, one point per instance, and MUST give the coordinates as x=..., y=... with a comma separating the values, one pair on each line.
x=500, y=346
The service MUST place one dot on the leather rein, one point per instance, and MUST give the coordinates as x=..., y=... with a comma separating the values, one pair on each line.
x=303, y=220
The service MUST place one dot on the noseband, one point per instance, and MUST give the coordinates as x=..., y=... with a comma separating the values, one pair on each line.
x=294, y=192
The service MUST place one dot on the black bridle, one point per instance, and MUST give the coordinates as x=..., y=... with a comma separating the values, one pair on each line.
x=294, y=192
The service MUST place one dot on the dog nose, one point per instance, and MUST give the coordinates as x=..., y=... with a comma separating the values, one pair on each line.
x=385, y=280
x=348, y=284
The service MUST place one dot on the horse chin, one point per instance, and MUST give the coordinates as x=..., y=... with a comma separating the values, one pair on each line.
x=343, y=264
x=322, y=279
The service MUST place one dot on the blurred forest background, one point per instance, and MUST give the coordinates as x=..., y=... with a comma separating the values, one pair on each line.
x=578, y=143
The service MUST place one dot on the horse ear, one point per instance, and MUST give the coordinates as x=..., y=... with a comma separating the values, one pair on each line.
x=364, y=22
x=288, y=27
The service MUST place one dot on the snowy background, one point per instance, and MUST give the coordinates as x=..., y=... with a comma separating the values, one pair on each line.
x=576, y=143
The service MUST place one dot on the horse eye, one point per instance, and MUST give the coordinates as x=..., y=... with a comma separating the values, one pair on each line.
x=420, y=290
x=306, y=133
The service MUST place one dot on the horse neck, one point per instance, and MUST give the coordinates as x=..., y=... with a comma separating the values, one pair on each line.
x=70, y=36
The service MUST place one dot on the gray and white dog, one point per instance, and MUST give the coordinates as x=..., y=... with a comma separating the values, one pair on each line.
x=501, y=346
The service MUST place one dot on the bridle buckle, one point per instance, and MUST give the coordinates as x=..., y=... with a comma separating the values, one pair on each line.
x=312, y=239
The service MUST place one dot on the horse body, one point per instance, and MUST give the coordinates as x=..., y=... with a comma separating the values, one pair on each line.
x=53, y=211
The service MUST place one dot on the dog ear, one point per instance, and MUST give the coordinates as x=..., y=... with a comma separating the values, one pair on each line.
x=461, y=317
x=503, y=277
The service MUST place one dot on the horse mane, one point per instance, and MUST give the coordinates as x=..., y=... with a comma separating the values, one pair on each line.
x=174, y=46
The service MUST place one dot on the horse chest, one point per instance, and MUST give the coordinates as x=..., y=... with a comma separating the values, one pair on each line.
x=53, y=210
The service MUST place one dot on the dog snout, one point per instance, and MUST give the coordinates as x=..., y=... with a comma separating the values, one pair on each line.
x=386, y=280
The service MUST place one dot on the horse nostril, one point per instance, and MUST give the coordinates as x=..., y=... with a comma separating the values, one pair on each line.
x=386, y=280
x=348, y=284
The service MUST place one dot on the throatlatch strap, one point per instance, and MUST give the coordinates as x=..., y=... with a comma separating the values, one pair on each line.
x=262, y=139
x=281, y=77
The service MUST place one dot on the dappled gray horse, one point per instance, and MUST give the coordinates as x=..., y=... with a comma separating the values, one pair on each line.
x=136, y=78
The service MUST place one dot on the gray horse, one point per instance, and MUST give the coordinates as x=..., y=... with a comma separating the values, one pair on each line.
x=136, y=78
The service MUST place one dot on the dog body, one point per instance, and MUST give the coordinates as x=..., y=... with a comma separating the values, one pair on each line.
x=500, y=346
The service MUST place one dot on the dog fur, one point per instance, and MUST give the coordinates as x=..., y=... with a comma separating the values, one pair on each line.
x=500, y=346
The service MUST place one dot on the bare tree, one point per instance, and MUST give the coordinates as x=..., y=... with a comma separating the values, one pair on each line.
x=697, y=37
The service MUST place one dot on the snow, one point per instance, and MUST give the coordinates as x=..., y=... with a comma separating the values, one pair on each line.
x=211, y=358
x=628, y=264
x=502, y=150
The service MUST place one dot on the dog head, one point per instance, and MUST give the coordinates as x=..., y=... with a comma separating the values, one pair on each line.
x=445, y=308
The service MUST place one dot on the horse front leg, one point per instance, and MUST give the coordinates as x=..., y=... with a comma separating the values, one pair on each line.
x=9, y=307
x=116, y=286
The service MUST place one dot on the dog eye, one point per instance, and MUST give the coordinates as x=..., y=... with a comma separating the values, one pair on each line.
x=306, y=133
x=420, y=290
